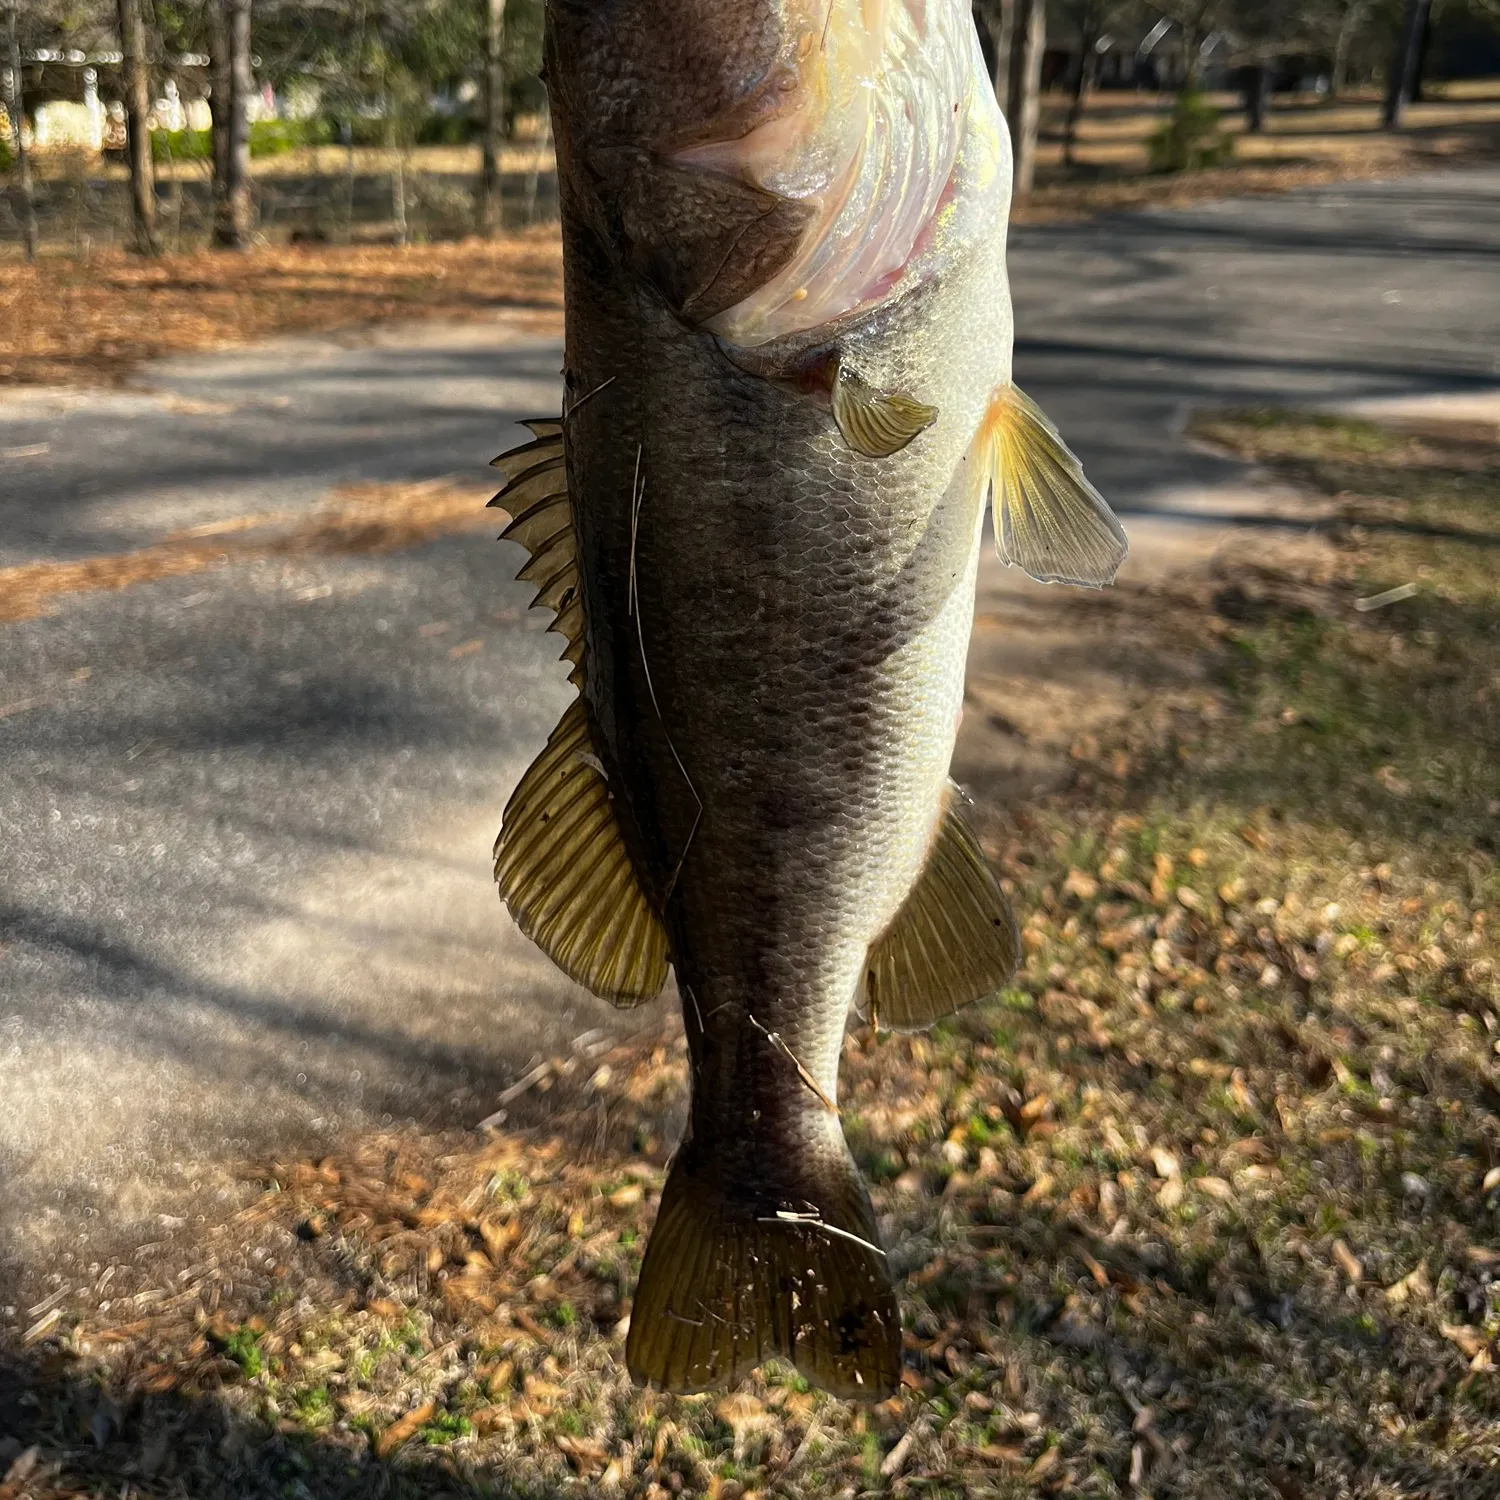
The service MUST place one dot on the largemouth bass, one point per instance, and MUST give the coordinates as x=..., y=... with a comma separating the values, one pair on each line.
x=787, y=397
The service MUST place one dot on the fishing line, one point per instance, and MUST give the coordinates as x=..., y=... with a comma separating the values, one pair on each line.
x=638, y=494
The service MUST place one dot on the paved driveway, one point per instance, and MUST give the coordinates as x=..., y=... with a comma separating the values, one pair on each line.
x=244, y=897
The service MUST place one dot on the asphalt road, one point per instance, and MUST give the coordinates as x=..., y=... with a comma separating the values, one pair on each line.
x=244, y=890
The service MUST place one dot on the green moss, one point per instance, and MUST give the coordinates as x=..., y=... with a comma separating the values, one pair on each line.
x=243, y=1347
x=447, y=1427
x=314, y=1407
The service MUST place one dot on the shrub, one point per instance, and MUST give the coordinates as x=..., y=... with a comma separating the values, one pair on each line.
x=447, y=130
x=182, y=145
x=267, y=138
x=276, y=137
x=364, y=130
x=1191, y=139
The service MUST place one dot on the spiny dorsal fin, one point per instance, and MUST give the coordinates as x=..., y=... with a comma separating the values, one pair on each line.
x=874, y=422
x=536, y=495
x=565, y=872
x=1049, y=520
x=954, y=940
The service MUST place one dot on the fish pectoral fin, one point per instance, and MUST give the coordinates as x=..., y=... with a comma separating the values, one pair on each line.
x=724, y=1287
x=535, y=494
x=954, y=940
x=565, y=872
x=874, y=422
x=1049, y=520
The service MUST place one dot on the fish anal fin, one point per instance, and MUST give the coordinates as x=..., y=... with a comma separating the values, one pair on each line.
x=876, y=422
x=954, y=940
x=725, y=1287
x=565, y=872
x=1049, y=520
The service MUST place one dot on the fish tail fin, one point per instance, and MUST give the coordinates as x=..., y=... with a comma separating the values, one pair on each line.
x=726, y=1284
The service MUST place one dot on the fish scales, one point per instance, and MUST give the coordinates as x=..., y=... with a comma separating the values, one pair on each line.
x=775, y=529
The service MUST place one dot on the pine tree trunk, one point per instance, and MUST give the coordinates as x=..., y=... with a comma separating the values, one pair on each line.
x=994, y=18
x=138, y=126
x=15, y=108
x=1424, y=48
x=234, y=221
x=398, y=191
x=1256, y=82
x=1028, y=42
x=1405, y=65
x=1081, y=83
x=218, y=108
x=494, y=114
x=1339, y=82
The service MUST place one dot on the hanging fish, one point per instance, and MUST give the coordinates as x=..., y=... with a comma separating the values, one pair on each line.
x=787, y=396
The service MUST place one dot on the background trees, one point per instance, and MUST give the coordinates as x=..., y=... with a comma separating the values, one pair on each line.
x=401, y=73
x=12, y=42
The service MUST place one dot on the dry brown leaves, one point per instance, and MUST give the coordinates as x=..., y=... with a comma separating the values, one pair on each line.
x=64, y=322
x=1229, y=1142
x=361, y=518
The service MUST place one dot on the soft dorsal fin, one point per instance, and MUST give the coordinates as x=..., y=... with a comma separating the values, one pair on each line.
x=954, y=940
x=561, y=860
x=1049, y=520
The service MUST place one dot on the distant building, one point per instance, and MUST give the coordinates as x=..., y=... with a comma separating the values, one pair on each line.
x=72, y=98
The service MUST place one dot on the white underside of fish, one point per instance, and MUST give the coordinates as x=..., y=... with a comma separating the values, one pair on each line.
x=896, y=92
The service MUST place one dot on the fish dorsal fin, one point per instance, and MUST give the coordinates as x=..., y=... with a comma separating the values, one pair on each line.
x=566, y=874
x=874, y=422
x=536, y=495
x=1049, y=520
x=561, y=860
x=954, y=940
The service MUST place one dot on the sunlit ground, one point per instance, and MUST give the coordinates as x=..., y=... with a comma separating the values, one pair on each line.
x=1205, y=1205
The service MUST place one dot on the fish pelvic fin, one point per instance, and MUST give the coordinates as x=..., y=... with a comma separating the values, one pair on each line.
x=1049, y=520
x=953, y=942
x=565, y=872
x=726, y=1285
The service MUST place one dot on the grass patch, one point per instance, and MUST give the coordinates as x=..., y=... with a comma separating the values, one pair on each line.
x=1206, y=1205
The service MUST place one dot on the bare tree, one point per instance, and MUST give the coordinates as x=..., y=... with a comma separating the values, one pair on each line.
x=1405, y=65
x=1028, y=43
x=218, y=102
x=233, y=210
x=13, y=107
x=1196, y=22
x=1089, y=19
x=1352, y=14
x=994, y=17
x=138, y=126
x=494, y=114
x=1257, y=91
